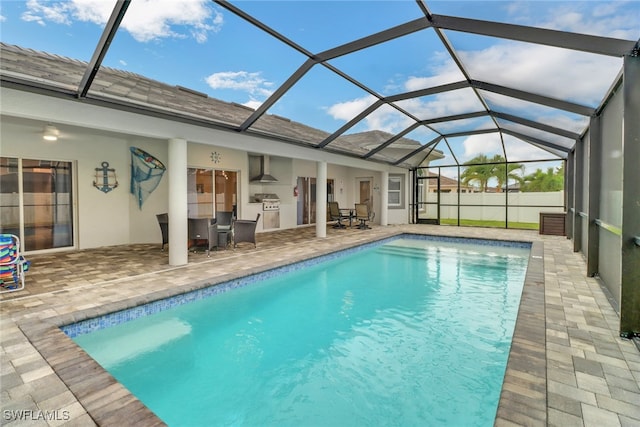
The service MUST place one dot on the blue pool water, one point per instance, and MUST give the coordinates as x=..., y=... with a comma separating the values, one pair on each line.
x=412, y=332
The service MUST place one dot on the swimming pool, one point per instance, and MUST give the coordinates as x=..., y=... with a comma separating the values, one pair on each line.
x=412, y=337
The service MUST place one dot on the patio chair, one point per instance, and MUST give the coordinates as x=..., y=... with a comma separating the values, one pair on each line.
x=163, y=222
x=13, y=265
x=364, y=216
x=244, y=230
x=204, y=229
x=224, y=219
x=337, y=214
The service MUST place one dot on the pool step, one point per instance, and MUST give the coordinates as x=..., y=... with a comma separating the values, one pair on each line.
x=404, y=251
x=468, y=258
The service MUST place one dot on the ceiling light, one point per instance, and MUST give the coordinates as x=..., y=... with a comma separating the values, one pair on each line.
x=50, y=133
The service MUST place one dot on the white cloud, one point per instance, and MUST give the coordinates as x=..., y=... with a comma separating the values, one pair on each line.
x=254, y=104
x=518, y=150
x=250, y=82
x=442, y=71
x=152, y=19
x=387, y=119
x=145, y=20
x=559, y=121
x=556, y=72
x=96, y=11
x=443, y=104
x=57, y=13
x=488, y=144
x=519, y=10
x=616, y=19
x=349, y=109
x=3, y=18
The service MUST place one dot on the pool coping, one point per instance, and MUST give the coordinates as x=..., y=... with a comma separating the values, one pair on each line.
x=523, y=399
x=523, y=395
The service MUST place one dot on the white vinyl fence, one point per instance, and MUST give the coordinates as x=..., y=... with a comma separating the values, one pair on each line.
x=523, y=207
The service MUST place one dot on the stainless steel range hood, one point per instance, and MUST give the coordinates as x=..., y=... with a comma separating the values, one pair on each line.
x=264, y=175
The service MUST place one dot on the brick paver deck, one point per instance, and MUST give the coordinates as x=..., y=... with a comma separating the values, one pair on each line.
x=567, y=366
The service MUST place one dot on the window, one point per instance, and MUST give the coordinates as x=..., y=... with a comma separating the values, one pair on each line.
x=395, y=194
x=421, y=195
x=43, y=216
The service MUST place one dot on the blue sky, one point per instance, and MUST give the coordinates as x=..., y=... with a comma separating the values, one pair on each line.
x=198, y=44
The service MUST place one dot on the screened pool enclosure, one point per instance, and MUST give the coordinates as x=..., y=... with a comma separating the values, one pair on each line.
x=496, y=111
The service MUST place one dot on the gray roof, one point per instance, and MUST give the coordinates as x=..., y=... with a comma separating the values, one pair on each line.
x=64, y=74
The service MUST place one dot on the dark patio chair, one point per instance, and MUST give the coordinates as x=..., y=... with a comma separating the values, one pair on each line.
x=244, y=230
x=163, y=222
x=224, y=219
x=363, y=215
x=204, y=229
x=337, y=214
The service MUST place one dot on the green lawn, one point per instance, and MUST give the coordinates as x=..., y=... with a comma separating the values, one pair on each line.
x=498, y=224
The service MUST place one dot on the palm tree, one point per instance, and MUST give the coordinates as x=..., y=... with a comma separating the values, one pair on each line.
x=482, y=169
x=551, y=180
x=479, y=171
x=506, y=171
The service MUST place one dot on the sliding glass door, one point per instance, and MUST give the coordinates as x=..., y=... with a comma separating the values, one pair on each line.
x=36, y=202
x=306, y=199
x=210, y=191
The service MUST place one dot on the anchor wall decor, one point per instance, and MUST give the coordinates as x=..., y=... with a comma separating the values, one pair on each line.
x=107, y=176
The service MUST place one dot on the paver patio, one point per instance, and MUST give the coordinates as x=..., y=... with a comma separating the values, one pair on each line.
x=568, y=366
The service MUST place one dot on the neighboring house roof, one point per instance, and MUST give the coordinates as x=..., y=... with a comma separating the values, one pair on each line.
x=449, y=182
x=122, y=88
x=445, y=181
x=513, y=187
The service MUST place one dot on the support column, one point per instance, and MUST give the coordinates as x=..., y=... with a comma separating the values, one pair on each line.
x=578, y=191
x=178, y=206
x=321, y=199
x=384, y=198
x=593, y=209
x=569, y=204
x=630, y=277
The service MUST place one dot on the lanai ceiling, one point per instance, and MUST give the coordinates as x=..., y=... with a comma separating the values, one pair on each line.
x=392, y=83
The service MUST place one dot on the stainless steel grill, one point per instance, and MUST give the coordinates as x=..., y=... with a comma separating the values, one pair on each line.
x=270, y=209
